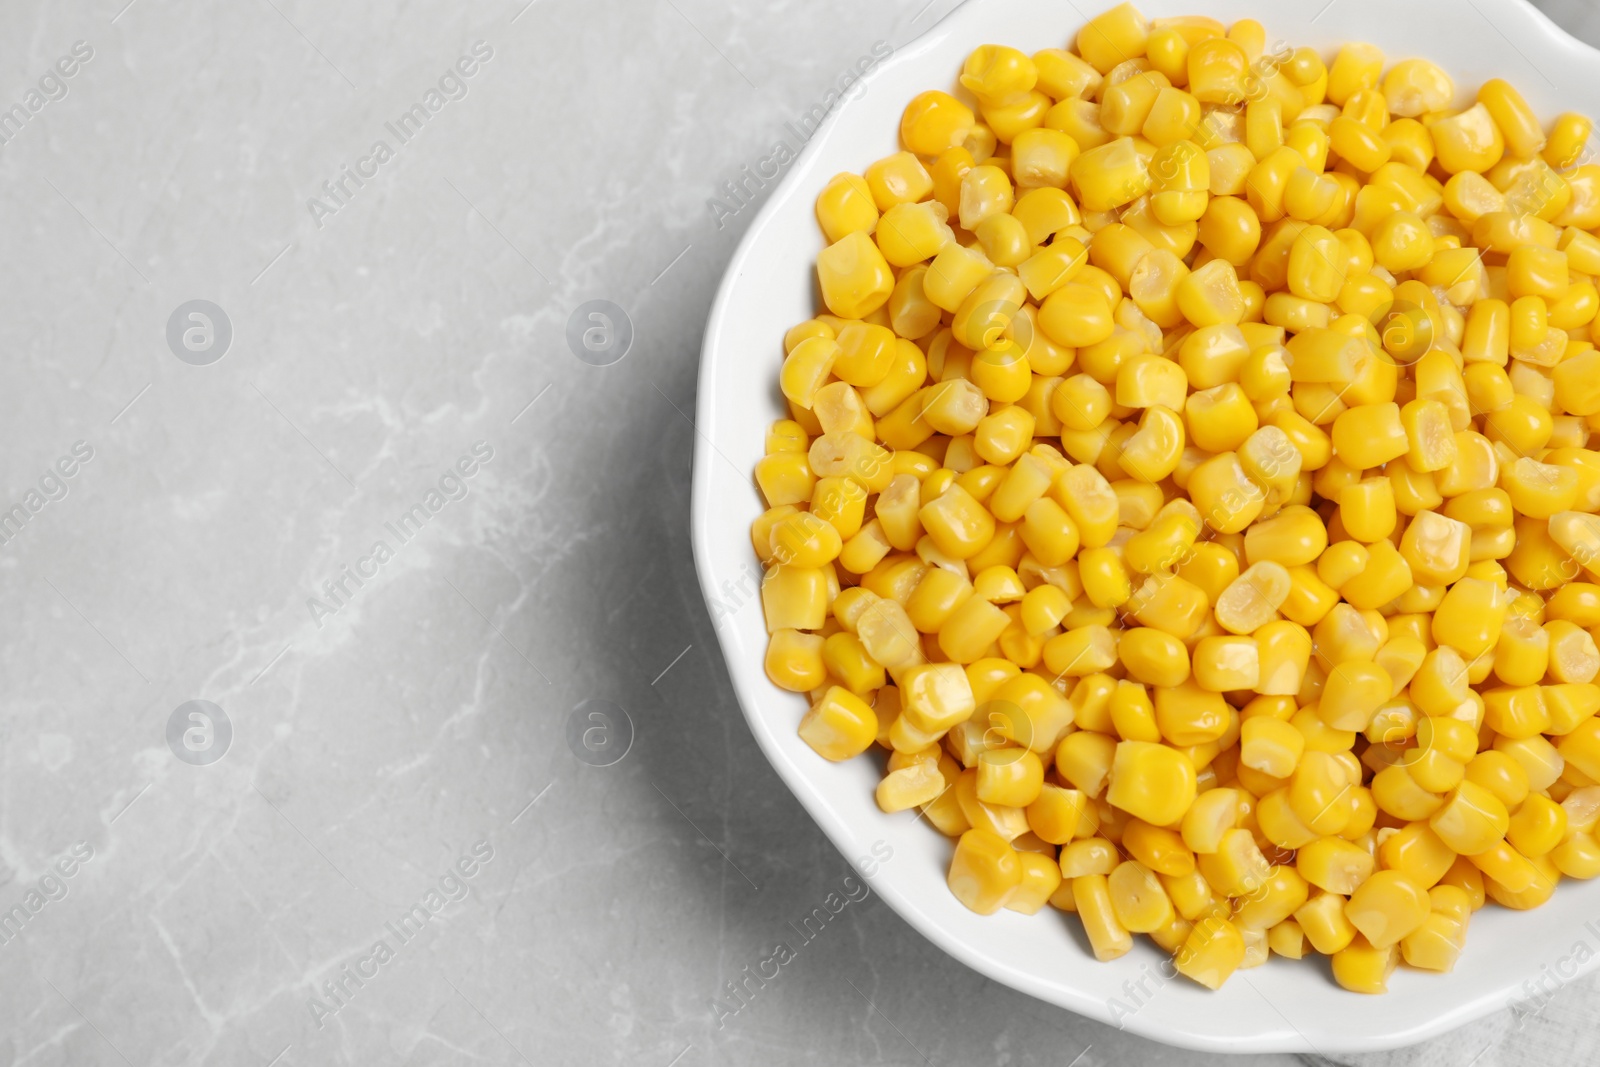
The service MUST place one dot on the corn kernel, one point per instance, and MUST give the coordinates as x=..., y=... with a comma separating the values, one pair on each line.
x=984, y=871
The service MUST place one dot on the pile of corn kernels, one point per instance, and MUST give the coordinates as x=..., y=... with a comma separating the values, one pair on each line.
x=1189, y=488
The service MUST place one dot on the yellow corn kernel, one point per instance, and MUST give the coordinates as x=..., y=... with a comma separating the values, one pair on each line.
x=910, y=787
x=1361, y=968
x=997, y=72
x=1322, y=919
x=1041, y=881
x=1133, y=714
x=1436, y=944
x=794, y=598
x=953, y=274
x=1237, y=868
x=1284, y=891
x=1137, y=897
x=1573, y=657
x=1506, y=867
x=1003, y=821
x=1218, y=71
x=1081, y=651
x=1210, y=295
x=897, y=179
x=1113, y=37
x=761, y=530
x=1568, y=135
x=1188, y=715
x=946, y=171
x=786, y=435
x=1049, y=532
x=1009, y=777
x=1470, y=140
x=1059, y=815
x=1334, y=864
x=805, y=540
x=1538, y=826
x=1089, y=856
x=1214, y=949
x=1062, y=74
x=958, y=524
x=785, y=478
x=984, y=871
x=987, y=311
x=1170, y=604
x=1515, y=119
x=1386, y=907
x=1180, y=171
x=1252, y=600
x=1270, y=746
x=1075, y=315
x=1151, y=781
x=970, y=630
x=845, y=206
x=866, y=352
x=1110, y=175
x=1539, y=490
x=1370, y=435
x=935, y=696
x=934, y=122
x=1287, y=940
x=1154, y=657
x=986, y=190
x=1356, y=67
x=847, y=660
x=1209, y=567
x=794, y=661
x=1213, y=814
x=1108, y=938
x=855, y=279
x=1436, y=548
x=839, y=726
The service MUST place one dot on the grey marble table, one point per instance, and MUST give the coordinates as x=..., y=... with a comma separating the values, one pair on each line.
x=308, y=588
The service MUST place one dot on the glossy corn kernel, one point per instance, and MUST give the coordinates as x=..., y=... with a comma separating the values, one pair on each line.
x=984, y=871
x=1386, y=907
x=1108, y=938
x=1140, y=902
x=855, y=279
x=1214, y=949
x=845, y=206
x=1361, y=968
x=839, y=726
x=1041, y=880
x=1151, y=781
x=1471, y=820
x=1114, y=37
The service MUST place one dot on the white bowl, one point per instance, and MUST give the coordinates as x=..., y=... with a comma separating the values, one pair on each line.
x=1284, y=1005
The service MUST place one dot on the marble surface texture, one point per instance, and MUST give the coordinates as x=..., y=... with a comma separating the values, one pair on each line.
x=406, y=547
